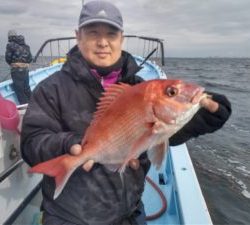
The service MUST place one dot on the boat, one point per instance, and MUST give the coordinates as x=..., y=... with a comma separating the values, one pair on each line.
x=172, y=194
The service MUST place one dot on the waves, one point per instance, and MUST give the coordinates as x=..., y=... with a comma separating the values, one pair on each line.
x=226, y=196
x=222, y=159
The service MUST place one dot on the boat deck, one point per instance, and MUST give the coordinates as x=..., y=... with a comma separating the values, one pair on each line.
x=177, y=180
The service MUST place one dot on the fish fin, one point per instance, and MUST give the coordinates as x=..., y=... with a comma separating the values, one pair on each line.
x=61, y=181
x=140, y=146
x=61, y=168
x=157, y=153
x=122, y=179
x=109, y=96
x=123, y=167
x=150, y=138
x=160, y=127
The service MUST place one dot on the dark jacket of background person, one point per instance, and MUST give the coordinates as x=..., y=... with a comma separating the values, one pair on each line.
x=17, y=51
x=18, y=56
x=62, y=108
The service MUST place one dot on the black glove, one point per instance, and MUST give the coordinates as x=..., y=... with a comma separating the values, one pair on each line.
x=204, y=121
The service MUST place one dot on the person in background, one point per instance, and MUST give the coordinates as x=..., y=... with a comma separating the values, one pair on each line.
x=18, y=56
x=61, y=108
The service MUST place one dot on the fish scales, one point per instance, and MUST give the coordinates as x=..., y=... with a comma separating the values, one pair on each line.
x=129, y=120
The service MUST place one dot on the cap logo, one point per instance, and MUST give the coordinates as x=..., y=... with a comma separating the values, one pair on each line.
x=102, y=13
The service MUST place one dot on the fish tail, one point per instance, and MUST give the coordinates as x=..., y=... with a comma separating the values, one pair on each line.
x=61, y=168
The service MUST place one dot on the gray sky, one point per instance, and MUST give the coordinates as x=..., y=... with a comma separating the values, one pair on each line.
x=190, y=28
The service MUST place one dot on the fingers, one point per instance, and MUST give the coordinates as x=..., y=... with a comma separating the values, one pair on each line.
x=76, y=149
x=209, y=104
x=134, y=164
x=88, y=165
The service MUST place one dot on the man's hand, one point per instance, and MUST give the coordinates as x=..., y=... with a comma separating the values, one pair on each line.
x=209, y=104
x=77, y=150
x=134, y=164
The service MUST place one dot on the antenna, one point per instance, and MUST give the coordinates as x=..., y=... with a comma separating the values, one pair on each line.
x=148, y=56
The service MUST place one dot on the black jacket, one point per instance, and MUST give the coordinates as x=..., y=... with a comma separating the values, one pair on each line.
x=204, y=122
x=58, y=114
x=17, y=51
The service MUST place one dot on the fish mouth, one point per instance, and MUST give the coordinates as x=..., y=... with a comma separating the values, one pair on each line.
x=198, y=95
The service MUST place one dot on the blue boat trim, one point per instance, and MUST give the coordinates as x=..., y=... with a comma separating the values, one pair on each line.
x=192, y=204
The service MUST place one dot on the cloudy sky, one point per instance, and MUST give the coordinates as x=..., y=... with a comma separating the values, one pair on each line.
x=190, y=28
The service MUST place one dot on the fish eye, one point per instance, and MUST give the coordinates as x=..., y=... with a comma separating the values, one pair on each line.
x=171, y=91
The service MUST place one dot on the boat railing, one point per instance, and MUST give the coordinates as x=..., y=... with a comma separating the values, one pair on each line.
x=10, y=170
x=23, y=204
x=55, y=50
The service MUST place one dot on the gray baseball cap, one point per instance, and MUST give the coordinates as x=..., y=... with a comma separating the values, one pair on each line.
x=100, y=12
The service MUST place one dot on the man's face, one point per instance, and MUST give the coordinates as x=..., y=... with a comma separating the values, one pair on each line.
x=100, y=44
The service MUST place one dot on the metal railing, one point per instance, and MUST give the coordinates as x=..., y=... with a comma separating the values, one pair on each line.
x=142, y=46
x=10, y=170
x=26, y=201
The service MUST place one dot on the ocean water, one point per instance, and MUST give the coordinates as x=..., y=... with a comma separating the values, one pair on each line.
x=221, y=159
x=4, y=70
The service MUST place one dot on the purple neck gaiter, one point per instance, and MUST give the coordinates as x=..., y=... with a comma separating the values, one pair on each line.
x=108, y=79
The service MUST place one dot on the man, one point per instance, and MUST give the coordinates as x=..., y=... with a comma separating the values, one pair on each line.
x=60, y=110
x=18, y=56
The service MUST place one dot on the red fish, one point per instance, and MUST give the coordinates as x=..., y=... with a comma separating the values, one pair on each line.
x=129, y=120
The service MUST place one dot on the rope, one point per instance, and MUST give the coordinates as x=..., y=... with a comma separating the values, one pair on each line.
x=163, y=200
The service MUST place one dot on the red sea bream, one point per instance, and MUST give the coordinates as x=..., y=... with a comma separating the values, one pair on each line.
x=130, y=120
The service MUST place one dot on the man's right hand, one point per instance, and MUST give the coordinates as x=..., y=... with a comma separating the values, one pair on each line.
x=77, y=150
